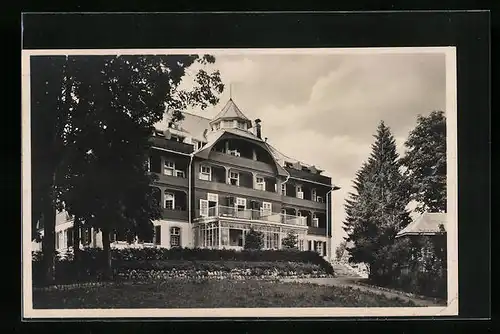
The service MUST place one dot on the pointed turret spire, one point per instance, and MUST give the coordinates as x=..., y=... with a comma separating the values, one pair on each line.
x=231, y=112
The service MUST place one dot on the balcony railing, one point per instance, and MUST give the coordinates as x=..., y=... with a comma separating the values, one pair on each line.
x=255, y=215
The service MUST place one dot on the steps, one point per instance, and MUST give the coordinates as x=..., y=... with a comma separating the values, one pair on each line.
x=341, y=270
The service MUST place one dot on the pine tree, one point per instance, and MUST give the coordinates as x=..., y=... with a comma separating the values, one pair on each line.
x=376, y=212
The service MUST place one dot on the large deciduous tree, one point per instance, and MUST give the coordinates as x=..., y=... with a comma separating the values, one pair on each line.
x=425, y=162
x=376, y=211
x=95, y=115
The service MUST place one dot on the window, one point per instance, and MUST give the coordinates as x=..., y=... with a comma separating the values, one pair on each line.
x=58, y=238
x=205, y=173
x=301, y=245
x=234, y=178
x=319, y=199
x=199, y=145
x=175, y=237
x=283, y=189
x=260, y=183
x=168, y=168
x=169, y=201
x=86, y=237
x=217, y=126
x=241, y=203
x=69, y=237
x=315, y=221
x=154, y=164
x=241, y=125
x=318, y=247
x=180, y=173
x=158, y=235
x=234, y=152
x=313, y=195
x=266, y=209
x=300, y=194
x=212, y=197
x=203, y=208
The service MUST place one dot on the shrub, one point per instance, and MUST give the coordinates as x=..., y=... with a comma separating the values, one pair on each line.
x=91, y=261
x=254, y=240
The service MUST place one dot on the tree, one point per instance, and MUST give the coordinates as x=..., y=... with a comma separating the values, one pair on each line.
x=290, y=241
x=340, y=250
x=425, y=162
x=376, y=212
x=254, y=240
x=105, y=107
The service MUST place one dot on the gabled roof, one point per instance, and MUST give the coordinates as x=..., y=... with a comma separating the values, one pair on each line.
x=426, y=224
x=192, y=125
x=230, y=112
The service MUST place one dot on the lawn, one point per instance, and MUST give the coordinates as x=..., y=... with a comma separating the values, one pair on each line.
x=185, y=293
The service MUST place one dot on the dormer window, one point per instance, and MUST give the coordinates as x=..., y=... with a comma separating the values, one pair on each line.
x=241, y=125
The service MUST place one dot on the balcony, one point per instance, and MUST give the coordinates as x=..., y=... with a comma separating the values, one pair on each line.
x=172, y=180
x=250, y=164
x=175, y=214
x=294, y=201
x=171, y=145
x=253, y=215
x=308, y=176
x=237, y=190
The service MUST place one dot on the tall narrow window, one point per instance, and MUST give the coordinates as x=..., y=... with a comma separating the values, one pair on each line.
x=169, y=201
x=260, y=183
x=300, y=194
x=234, y=178
x=203, y=208
x=313, y=195
x=155, y=164
x=283, y=189
x=168, y=168
x=205, y=173
x=69, y=237
x=175, y=237
x=157, y=236
x=266, y=209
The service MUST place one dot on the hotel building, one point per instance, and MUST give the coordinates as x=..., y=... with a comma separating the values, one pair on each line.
x=217, y=178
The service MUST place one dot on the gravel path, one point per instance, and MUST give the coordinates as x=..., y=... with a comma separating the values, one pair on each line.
x=353, y=283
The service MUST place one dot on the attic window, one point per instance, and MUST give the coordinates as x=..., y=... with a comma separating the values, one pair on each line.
x=159, y=134
x=241, y=125
x=288, y=164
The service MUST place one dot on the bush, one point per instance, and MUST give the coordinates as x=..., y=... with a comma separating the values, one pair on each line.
x=91, y=261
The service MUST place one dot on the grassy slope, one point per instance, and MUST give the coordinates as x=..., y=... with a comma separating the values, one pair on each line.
x=211, y=294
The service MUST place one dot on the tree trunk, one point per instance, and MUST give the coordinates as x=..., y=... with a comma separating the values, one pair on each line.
x=107, y=254
x=48, y=241
x=76, y=246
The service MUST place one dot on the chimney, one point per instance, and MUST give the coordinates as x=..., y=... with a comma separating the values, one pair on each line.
x=258, y=132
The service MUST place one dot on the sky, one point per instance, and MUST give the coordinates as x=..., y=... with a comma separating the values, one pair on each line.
x=323, y=109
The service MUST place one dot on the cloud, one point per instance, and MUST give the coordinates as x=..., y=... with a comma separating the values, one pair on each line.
x=324, y=109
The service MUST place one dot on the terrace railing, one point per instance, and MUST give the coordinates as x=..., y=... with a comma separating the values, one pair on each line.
x=255, y=215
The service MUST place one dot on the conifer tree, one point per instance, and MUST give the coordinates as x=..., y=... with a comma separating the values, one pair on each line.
x=376, y=212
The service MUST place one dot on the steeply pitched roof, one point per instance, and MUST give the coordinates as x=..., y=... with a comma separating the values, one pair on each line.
x=426, y=224
x=231, y=111
x=192, y=125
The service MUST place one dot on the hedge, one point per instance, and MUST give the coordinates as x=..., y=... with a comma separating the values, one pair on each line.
x=91, y=262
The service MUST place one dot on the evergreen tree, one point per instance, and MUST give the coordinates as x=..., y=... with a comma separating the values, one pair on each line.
x=425, y=162
x=290, y=241
x=254, y=240
x=376, y=212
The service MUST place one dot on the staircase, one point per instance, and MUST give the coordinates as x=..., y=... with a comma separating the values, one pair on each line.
x=342, y=270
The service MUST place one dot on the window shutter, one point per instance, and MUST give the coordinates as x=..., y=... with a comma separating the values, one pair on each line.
x=324, y=249
x=158, y=235
x=309, y=245
x=203, y=208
